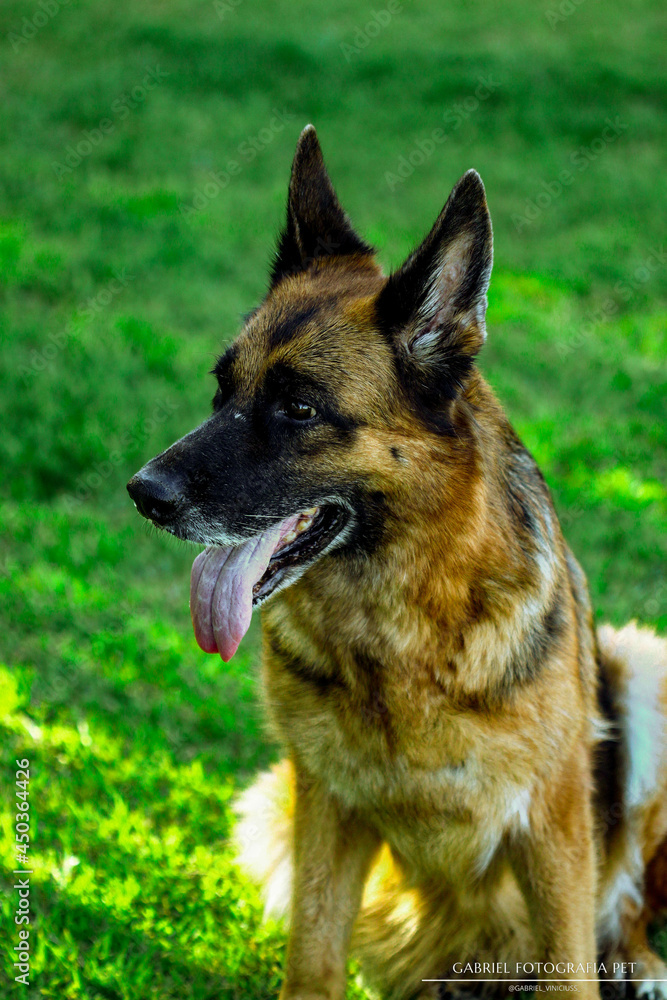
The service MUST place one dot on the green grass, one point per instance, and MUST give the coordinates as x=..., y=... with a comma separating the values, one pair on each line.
x=137, y=740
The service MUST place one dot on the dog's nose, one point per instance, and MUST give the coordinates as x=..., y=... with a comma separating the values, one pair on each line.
x=156, y=498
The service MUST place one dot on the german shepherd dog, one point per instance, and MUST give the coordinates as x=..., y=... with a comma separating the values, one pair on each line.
x=474, y=783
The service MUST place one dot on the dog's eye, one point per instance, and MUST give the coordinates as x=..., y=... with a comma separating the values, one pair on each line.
x=295, y=409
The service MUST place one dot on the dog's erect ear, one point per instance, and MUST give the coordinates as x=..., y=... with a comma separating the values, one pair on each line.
x=435, y=304
x=316, y=223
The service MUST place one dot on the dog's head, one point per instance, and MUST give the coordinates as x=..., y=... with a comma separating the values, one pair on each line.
x=321, y=400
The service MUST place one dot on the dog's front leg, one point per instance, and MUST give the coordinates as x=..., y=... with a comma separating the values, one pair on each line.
x=554, y=862
x=333, y=850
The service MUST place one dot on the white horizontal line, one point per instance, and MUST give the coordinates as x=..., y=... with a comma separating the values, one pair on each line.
x=555, y=982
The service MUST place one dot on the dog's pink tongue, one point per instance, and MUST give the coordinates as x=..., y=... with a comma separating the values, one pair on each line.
x=221, y=588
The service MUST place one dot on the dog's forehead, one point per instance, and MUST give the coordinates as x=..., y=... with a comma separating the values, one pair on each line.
x=331, y=334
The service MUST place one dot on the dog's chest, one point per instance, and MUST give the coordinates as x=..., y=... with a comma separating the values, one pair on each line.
x=392, y=750
x=432, y=813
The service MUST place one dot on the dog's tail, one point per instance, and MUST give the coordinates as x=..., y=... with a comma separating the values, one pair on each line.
x=634, y=666
x=263, y=836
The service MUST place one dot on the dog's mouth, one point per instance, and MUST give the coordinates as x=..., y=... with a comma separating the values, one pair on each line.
x=229, y=581
x=314, y=531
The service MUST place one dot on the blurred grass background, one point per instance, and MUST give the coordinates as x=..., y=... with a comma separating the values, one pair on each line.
x=124, y=268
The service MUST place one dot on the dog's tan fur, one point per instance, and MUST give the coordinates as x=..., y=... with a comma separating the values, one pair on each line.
x=471, y=773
